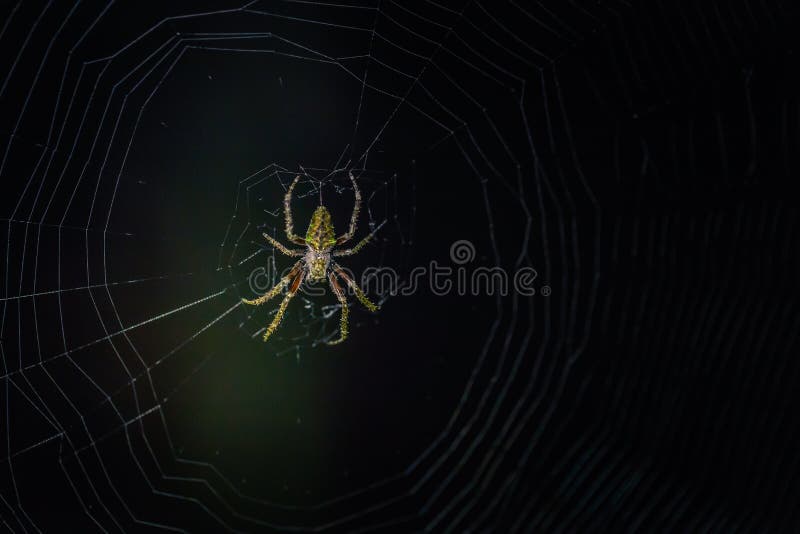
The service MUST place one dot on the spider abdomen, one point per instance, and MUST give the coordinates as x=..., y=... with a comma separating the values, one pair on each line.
x=320, y=234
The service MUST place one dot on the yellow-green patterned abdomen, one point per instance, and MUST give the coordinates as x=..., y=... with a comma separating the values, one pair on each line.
x=320, y=233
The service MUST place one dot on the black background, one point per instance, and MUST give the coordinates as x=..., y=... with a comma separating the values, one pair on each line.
x=640, y=158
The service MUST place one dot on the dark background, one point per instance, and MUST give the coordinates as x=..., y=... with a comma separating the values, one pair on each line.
x=640, y=157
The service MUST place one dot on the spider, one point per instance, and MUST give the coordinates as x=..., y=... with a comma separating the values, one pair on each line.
x=317, y=263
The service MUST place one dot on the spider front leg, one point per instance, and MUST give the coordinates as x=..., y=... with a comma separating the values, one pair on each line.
x=339, y=292
x=360, y=245
x=281, y=247
x=371, y=306
x=296, y=268
x=287, y=213
x=284, y=303
x=347, y=236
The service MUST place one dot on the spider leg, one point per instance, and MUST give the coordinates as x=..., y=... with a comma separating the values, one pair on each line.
x=277, y=288
x=339, y=292
x=347, y=236
x=284, y=303
x=360, y=245
x=371, y=306
x=281, y=247
x=287, y=212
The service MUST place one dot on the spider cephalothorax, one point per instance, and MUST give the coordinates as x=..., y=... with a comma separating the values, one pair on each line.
x=317, y=262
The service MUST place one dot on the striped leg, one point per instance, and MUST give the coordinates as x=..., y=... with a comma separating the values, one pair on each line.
x=371, y=306
x=283, y=282
x=360, y=245
x=282, y=248
x=347, y=236
x=339, y=292
x=276, y=321
x=287, y=213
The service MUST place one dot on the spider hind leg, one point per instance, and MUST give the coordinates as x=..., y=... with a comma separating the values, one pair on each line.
x=287, y=214
x=351, y=231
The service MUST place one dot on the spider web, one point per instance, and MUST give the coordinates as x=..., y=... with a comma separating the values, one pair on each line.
x=128, y=251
